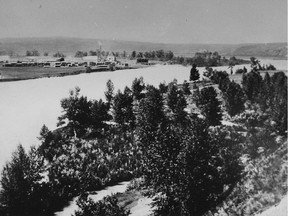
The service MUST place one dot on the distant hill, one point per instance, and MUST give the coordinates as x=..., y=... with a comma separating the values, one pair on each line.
x=264, y=50
x=69, y=46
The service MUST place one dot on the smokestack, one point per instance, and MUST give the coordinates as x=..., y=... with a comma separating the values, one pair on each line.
x=100, y=45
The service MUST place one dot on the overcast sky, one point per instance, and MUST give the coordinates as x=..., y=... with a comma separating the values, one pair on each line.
x=167, y=21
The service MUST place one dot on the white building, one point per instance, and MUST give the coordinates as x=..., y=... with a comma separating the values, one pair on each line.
x=4, y=58
x=89, y=59
x=111, y=58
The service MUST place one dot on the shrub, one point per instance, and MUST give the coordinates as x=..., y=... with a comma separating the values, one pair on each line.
x=105, y=207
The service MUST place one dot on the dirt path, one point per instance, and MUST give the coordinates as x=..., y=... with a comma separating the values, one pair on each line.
x=142, y=208
x=70, y=209
x=278, y=210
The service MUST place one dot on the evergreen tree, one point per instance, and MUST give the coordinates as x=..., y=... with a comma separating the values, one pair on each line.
x=176, y=102
x=279, y=102
x=98, y=117
x=20, y=193
x=108, y=206
x=255, y=63
x=76, y=112
x=151, y=115
x=138, y=87
x=109, y=93
x=234, y=99
x=123, y=109
x=211, y=160
x=251, y=83
x=188, y=167
x=265, y=93
x=163, y=88
x=133, y=54
x=210, y=106
x=245, y=69
x=186, y=88
x=194, y=73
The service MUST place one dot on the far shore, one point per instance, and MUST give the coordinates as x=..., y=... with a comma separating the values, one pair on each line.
x=10, y=74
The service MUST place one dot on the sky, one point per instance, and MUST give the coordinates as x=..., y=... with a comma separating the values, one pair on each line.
x=160, y=21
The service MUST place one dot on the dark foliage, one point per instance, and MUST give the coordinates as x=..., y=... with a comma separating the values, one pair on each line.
x=251, y=83
x=188, y=166
x=24, y=192
x=123, y=109
x=234, y=99
x=138, y=87
x=32, y=53
x=176, y=102
x=208, y=59
x=209, y=105
x=77, y=112
x=80, y=54
x=106, y=207
x=271, y=94
x=109, y=93
x=194, y=73
x=59, y=55
x=255, y=64
x=83, y=117
x=186, y=88
x=163, y=88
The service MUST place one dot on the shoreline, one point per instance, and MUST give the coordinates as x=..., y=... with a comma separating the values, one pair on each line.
x=50, y=73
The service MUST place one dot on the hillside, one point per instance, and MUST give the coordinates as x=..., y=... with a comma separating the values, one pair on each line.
x=70, y=45
x=263, y=50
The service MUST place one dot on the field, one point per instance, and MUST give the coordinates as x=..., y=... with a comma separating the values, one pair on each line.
x=22, y=73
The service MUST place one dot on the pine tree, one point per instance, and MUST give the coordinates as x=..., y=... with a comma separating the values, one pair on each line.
x=109, y=93
x=234, y=99
x=251, y=83
x=176, y=102
x=209, y=106
x=20, y=184
x=194, y=73
x=279, y=102
x=186, y=88
x=76, y=111
x=123, y=109
x=138, y=87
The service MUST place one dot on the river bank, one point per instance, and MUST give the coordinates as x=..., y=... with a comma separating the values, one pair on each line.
x=10, y=74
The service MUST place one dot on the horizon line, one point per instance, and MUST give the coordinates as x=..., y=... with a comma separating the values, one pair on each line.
x=135, y=41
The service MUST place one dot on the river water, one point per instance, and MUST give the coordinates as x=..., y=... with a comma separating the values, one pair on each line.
x=27, y=105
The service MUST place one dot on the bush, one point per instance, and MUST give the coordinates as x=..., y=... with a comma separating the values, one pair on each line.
x=105, y=207
x=239, y=71
x=59, y=55
x=270, y=67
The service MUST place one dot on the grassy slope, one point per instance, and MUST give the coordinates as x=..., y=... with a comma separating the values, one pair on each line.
x=264, y=185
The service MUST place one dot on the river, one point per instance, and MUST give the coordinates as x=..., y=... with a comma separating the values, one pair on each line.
x=27, y=105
